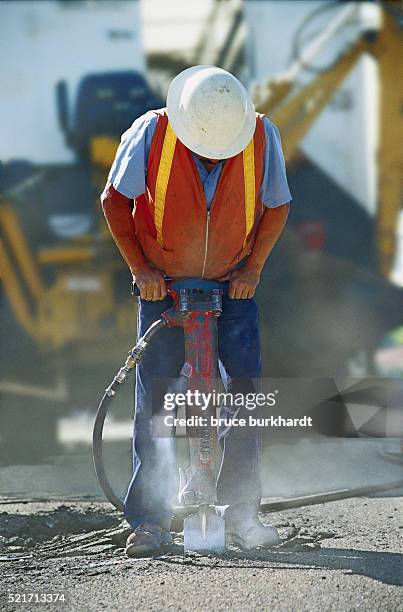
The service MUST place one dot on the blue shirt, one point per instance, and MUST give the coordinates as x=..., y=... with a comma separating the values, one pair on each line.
x=129, y=169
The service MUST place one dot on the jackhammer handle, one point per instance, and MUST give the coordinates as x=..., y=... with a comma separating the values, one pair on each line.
x=136, y=290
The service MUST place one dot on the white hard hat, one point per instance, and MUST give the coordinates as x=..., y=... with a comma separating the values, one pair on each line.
x=211, y=112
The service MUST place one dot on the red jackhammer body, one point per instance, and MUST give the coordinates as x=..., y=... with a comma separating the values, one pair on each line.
x=197, y=304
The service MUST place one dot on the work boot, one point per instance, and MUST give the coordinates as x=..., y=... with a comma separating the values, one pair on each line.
x=146, y=540
x=242, y=527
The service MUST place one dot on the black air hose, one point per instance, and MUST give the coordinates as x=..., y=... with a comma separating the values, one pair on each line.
x=133, y=358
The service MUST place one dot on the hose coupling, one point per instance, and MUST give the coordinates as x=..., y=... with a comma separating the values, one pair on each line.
x=136, y=354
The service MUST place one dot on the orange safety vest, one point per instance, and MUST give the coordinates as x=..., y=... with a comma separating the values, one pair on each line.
x=176, y=232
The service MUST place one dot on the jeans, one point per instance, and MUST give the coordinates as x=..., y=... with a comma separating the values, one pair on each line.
x=154, y=483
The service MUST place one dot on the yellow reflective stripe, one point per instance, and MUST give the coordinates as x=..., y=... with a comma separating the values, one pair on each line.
x=249, y=181
x=164, y=170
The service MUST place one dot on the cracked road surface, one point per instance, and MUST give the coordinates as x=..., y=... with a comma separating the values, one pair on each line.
x=343, y=555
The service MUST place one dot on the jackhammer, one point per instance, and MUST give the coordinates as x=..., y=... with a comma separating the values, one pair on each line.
x=196, y=305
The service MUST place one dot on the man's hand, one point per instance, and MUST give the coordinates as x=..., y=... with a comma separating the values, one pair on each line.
x=151, y=283
x=243, y=283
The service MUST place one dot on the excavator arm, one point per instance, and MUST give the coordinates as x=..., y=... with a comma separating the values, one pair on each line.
x=295, y=113
x=295, y=116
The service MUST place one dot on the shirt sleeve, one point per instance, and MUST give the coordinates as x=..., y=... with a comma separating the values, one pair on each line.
x=129, y=169
x=274, y=190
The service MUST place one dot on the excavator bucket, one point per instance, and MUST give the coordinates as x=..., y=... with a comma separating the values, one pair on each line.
x=204, y=531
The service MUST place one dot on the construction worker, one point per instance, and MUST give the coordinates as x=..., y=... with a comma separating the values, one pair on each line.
x=208, y=181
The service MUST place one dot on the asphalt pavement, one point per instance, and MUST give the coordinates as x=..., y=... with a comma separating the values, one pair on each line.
x=340, y=556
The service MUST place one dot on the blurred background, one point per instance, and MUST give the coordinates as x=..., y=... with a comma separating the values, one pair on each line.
x=74, y=75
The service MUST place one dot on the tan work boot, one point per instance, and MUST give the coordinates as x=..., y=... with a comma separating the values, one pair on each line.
x=242, y=527
x=146, y=540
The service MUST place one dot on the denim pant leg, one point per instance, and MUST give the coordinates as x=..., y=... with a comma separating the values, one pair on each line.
x=239, y=349
x=154, y=483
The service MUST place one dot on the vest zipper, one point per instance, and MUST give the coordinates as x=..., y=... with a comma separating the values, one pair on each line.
x=206, y=243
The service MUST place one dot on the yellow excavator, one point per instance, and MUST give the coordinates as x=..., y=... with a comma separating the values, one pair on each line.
x=67, y=317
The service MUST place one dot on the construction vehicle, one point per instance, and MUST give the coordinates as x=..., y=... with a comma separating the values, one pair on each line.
x=67, y=300
x=63, y=288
